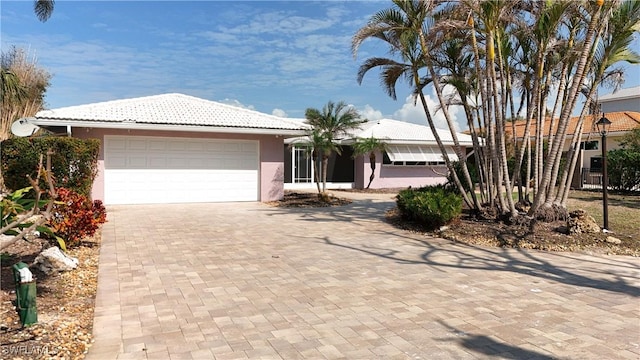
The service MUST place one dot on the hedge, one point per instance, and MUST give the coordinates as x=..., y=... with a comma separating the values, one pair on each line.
x=74, y=162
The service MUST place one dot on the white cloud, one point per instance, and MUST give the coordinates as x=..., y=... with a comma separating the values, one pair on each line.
x=279, y=112
x=370, y=113
x=236, y=103
x=413, y=112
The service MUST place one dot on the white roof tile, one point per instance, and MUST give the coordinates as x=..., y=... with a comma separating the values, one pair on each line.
x=395, y=131
x=170, y=109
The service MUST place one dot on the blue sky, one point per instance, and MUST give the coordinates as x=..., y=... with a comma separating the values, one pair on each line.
x=277, y=57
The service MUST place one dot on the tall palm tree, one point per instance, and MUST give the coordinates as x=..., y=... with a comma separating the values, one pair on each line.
x=43, y=9
x=594, y=25
x=613, y=47
x=369, y=146
x=401, y=28
x=328, y=124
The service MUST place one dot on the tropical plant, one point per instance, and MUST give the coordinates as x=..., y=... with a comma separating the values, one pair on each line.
x=74, y=161
x=431, y=206
x=623, y=164
x=43, y=9
x=486, y=51
x=326, y=126
x=21, y=215
x=402, y=28
x=75, y=217
x=23, y=87
x=369, y=146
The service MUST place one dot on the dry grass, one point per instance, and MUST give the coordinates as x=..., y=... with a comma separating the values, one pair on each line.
x=624, y=211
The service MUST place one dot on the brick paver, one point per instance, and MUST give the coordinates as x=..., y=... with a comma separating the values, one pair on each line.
x=248, y=281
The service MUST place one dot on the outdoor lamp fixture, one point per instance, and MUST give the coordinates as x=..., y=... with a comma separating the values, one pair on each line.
x=603, y=126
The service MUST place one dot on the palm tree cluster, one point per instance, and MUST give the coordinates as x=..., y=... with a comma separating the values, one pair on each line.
x=504, y=60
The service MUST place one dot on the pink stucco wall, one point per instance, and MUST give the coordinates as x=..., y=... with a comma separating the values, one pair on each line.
x=388, y=176
x=271, y=156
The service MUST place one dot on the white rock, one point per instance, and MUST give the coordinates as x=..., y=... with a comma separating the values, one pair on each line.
x=53, y=260
x=612, y=240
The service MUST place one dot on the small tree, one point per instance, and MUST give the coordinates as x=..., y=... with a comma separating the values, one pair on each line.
x=369, y=146
x=624, y=163
x=326, y=126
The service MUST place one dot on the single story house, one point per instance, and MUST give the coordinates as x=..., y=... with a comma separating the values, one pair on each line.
x=176, y=148
x=412, y=158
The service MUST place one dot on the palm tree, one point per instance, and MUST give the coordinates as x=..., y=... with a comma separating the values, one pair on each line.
x=327, y=125
x=614, y=47
x=43, y=9
x=369, y=146
x=316, y=142
x=401, y=28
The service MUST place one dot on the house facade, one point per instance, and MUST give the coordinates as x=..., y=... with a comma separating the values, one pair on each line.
x=175, y=148
x=623, y=100
x=412, y=158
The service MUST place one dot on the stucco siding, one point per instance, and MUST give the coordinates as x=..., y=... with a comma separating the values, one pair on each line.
x=389, y=176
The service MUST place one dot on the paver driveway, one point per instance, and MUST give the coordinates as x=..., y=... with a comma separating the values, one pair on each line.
x=245, y=280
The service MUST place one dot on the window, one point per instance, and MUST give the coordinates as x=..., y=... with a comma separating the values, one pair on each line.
x=596, y=163
x=589, y=145
x=415, y=155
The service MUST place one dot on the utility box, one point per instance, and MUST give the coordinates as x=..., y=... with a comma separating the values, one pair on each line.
x=25, y=294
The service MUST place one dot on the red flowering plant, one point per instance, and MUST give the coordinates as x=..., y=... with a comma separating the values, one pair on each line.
x=75, y=217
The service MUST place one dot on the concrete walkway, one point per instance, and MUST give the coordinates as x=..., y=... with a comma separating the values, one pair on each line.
x=245, y=280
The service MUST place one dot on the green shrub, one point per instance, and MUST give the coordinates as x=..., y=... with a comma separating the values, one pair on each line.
x=74, y=162
x=430, y=206
x=623, y=168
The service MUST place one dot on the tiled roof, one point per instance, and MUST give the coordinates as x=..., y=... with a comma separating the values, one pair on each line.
x=628, y=93
x=400, y=131
x=170, y=109
x=620, y=122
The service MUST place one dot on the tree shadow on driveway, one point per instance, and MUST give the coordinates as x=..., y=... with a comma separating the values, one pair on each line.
x=488, y=346
x=615, y=273
x=442, y=254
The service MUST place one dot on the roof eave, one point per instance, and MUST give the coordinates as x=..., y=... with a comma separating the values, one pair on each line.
x=128, y=125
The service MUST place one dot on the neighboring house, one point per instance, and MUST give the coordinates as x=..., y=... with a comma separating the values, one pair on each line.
x=589, y=166
x=412, y=159
x=622, y=100
x=176, y=148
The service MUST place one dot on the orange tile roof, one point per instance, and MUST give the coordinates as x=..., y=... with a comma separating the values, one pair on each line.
x=620, y=121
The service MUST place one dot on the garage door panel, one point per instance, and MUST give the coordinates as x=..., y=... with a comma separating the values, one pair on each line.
x=163, y=170
x=137, y=144
x=156, y=145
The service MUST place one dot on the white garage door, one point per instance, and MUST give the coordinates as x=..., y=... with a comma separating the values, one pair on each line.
x=148, y=170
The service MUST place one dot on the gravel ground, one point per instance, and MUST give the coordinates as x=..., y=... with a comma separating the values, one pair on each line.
x=65, y=304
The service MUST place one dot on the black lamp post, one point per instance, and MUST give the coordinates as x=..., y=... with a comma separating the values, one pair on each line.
x=603, y=126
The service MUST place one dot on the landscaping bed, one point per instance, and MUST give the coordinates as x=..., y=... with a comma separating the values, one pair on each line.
x=65, y=305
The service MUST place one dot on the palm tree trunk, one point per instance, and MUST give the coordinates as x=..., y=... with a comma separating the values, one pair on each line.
x=316, y=166
x=578, y=78
x=325, y=166
x=445, y=111
x=372, y=162
x=501, y=131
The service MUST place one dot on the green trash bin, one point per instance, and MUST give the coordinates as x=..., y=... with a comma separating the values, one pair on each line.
x=25, y=294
